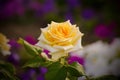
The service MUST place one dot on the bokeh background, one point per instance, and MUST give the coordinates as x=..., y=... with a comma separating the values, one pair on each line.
x=97, y=19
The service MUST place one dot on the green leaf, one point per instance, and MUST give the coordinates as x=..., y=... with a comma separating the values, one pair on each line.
x=4, y=75
x=32, y=50
x=75, y=69
x=56, y=71
x=38, y=50
x=7, y=70
x=46, y=63
x=8, y=67
x=61, y=75
x=34, y=62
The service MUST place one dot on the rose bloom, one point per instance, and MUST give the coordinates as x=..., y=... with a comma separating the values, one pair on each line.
x=60, y=39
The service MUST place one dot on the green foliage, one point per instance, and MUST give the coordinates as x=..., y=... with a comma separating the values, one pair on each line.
x=32, y=50
x=75, y=70
x=34, y=62
x=7, y=71
x=56, y=71
x=77, y=67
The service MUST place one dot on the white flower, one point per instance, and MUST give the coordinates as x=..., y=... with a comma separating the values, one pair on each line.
x=97, y=57
x=101, y=58
x=60, y=39
x=4, y=46
x=98, y=49
x=97, y=68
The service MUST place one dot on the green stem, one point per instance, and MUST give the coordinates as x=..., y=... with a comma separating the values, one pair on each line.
x=62, y=61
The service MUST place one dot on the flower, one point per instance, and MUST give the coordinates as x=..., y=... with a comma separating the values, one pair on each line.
x=28, y=74
x=43, y=70
x=14, y=44
x=102, y=58
x=40, y=78
x=4, y=46
x=97, y=57
x=14, y=58
x=72, y=59
x=60, y=39
x=30, y=39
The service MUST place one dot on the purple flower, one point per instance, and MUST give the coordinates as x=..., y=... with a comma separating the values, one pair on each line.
x=28, y=75
x=14, y=59
x=43, y=70
x=31, y=40
x=14, y=44
x=104, y=31
x=40, y=77
x=47, y=52
x=31, y=72
x=72, y=59
x=88, y=14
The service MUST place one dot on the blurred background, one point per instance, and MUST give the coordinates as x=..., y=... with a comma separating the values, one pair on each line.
x=97, y=19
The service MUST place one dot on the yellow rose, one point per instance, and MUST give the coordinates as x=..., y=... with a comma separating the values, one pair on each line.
x=60, y=39
x=4, y=47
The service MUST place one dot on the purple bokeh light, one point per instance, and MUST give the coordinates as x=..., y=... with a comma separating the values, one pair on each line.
x=14, y=59
x=69, y=16
x=104, y=31
x=14, y=44
x=73, y=3
x=43, y=70
x=88, y=14
x=28, y=75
